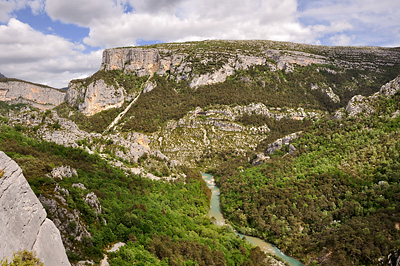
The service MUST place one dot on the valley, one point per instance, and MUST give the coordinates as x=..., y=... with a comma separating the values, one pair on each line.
x=303, y=142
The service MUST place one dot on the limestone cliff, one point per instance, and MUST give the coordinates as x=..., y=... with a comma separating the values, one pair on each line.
x=142, y=61
x=23, y=219
x=211, y=62
x=39, y=96
x=96, y=97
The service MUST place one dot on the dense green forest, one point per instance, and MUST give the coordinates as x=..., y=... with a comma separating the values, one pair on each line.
x=163, y=223
x=335, y=201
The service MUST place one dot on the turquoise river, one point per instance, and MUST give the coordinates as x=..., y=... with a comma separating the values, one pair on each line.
x=215, y=211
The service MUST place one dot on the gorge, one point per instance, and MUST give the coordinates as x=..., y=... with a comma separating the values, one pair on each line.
x=303, y=142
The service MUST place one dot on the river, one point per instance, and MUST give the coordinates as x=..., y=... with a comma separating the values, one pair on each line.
x=215, y=211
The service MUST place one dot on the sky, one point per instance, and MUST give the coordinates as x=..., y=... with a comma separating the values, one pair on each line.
x=54, y=41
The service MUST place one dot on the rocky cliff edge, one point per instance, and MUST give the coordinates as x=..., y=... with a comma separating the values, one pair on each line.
x=23, y=222
x=41, y=97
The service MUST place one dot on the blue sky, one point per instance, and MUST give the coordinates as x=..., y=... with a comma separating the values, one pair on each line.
x=54, y=41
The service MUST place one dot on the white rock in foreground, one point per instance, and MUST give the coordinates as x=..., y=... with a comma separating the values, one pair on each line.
x=23, y=222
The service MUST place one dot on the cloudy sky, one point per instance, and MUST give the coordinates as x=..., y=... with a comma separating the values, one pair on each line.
x=54, y=41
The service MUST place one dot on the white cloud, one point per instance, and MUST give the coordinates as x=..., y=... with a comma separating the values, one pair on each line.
x=82, y=13
x=373, y=22
x=31, y=55
x=341, y=40
x=7, y=7
x=197, y=20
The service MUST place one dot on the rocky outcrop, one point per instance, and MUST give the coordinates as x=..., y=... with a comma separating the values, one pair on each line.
x=365, y=105
x=279, y=143
x=23, y=221
x=96, y=97
x=63, y=172
x=36, y=95
x=92, y=200
x=72, y=228
x=129, y=146
x=328, y=92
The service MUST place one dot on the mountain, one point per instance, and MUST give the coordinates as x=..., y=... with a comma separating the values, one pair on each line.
x=302, y=141
x=2, y=76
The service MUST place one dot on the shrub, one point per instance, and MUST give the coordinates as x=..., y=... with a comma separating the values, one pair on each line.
x=23, y=258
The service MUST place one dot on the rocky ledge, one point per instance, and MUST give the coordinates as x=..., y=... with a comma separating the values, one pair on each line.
x=23, y=221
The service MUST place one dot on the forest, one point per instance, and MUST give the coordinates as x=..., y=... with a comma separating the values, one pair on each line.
x=163, y=223
x=332, y=202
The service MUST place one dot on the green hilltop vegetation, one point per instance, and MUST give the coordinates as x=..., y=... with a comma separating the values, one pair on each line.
x=333, y=201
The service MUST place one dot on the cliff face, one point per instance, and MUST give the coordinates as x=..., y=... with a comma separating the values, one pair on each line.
x=23, y=92
x=23, y=219
x=184, y=65
x=142, y=61
x=211, y=62
x=96, y=97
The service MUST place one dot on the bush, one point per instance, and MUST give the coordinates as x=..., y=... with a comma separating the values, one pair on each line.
x=23, y=258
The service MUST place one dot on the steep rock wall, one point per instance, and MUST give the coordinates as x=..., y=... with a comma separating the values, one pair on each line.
x=142, y=61
x=23, y=222
x=96, y=97
x=23, y=92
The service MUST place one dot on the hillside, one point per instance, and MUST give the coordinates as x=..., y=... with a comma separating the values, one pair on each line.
x=303, y=141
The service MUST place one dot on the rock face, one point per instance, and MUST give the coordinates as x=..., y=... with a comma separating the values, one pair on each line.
x=22, y=92
x=96, y=97
x=141, y=61
x=92, y=200
x=365, y=105
x=23, y=219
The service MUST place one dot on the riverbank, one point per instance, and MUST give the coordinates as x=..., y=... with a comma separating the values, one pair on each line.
x=216, y=215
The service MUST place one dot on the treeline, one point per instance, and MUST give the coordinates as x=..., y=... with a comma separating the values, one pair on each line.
x=334, y=202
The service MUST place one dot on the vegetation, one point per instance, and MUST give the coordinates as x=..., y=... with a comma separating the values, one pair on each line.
x=22, y=258
x=334, y=201
x=171, y=100
x=117, y=78
x=162, y=222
